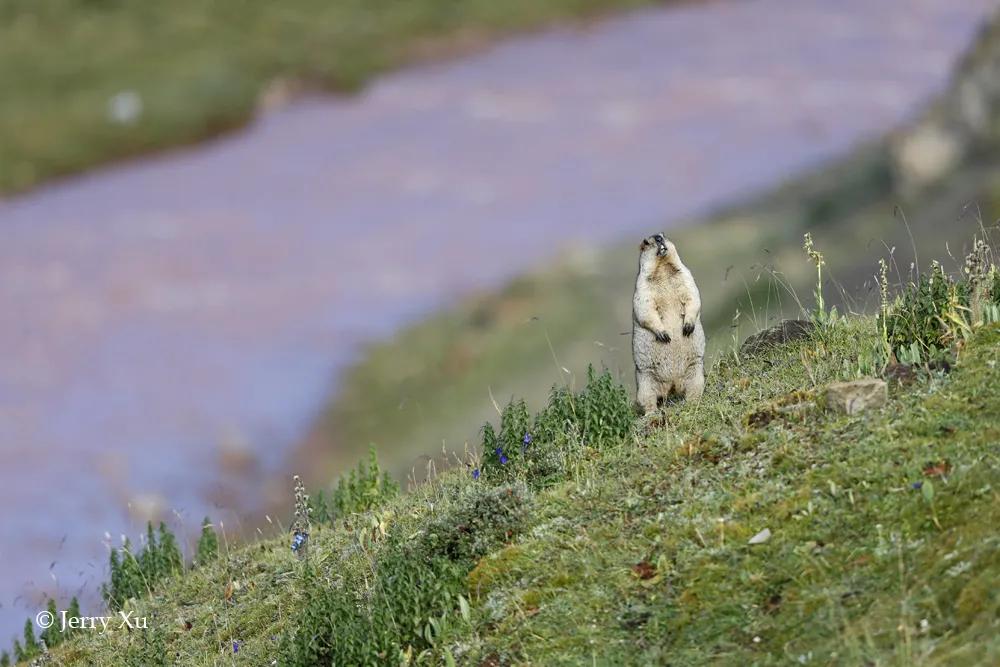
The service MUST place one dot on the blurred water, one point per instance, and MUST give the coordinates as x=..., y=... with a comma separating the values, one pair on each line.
x=170, y=326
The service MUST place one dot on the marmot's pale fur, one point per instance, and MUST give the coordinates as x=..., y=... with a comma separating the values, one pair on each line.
x=668, y=342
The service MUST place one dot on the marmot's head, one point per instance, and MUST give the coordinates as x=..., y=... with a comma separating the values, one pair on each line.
x=654, y=251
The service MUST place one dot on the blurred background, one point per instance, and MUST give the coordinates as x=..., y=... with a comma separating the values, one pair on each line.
x=243, y=239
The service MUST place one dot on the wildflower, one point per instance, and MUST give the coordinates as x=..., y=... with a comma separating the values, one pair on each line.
x=525, y=442
x=503, y=459
x=299, y=541
x=475, y=474
x=236, y=646
x=917, y=485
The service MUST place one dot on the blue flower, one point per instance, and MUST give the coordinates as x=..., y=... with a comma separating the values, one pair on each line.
x=475, y=474
x=527, y=439
x=299, y=540
x=503, y=459
x=917, y=485
x=499, y=451
x=236, y=646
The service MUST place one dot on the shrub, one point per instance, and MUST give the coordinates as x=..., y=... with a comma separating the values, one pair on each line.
x=51, y=635
x=927, y=318
x=408, y=599
x=31, y=646
x=208, y=544
x=132, y=576
x=169, y=559
x=363, y=489
x=481, y=519
x=598, y=416
x=607, y=413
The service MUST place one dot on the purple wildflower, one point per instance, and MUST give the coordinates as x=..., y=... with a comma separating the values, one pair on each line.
x=236, y=646
x=475, y=474
x=525, y=442
x=917, y=485
x=503, y=459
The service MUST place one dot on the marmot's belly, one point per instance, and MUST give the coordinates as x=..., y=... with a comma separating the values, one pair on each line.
x=667, y=361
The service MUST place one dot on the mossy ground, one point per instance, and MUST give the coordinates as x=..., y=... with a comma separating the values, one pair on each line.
x=883, y=547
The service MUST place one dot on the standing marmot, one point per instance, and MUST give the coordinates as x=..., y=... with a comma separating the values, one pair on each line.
x=668, y=343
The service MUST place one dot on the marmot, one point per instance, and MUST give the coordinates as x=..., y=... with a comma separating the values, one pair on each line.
x=668, y=342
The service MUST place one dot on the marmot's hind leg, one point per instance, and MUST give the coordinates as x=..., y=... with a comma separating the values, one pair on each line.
x=694, y=382
x=646, y=391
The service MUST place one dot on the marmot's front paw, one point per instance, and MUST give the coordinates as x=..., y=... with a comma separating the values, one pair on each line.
x=688, y=329
x=663, y=336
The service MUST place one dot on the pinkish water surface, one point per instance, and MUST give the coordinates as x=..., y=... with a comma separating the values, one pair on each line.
x=168, y=327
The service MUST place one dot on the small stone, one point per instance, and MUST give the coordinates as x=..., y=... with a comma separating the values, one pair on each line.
x=761, y=537
x=857, y=396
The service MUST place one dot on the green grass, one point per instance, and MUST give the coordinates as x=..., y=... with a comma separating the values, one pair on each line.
x=636, y=552
x=201, y=67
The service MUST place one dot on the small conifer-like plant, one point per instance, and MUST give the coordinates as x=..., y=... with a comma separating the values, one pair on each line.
x=208, y=544
x=132, y=575
x=51, y=635
x=31, y=646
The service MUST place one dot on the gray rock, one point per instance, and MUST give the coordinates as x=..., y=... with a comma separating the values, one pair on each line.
x=788, y=330
x=857, y=396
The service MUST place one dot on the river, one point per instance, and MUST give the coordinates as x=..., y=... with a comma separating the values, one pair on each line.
x=170, y=326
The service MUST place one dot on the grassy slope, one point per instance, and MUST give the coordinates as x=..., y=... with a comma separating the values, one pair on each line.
x=432, y=382
x=200, y=67
x=860, y=567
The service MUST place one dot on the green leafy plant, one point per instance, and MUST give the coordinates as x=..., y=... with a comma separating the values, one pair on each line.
x=414, y=586
x=208, y=544
x=364, y=488
x=927, y=318
x=536, y=448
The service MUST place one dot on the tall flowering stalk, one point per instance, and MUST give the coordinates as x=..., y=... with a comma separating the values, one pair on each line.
x=300, y=525
x=816, y=257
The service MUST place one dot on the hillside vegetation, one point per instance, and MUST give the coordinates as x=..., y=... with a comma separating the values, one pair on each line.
x=582, y=536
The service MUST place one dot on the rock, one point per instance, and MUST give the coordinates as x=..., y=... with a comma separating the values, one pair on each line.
x=761, y=537
x=857, y=396
x=788, y=330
